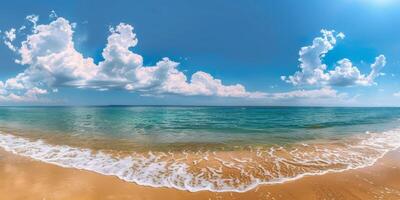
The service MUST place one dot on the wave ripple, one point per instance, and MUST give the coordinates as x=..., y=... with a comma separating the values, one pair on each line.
x=234, y=171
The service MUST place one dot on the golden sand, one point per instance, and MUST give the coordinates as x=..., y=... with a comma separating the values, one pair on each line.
x=24, y=178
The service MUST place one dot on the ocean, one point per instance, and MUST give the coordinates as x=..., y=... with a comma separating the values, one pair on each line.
x=202, y=148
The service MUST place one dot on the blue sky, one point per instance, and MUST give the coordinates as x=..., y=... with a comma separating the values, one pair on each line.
x=251, y=43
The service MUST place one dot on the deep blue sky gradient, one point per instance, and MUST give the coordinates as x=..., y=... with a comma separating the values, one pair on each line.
x=249, y=42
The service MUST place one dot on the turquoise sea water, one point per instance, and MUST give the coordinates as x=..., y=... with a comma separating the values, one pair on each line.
x=193, y=148
x=221, y=125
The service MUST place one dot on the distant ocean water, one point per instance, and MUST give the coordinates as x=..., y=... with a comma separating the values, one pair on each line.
x=202, y=148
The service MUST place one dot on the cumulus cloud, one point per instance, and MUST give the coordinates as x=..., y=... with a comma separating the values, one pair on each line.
x=52, y=61
x=346, y=74
x=396, y=94
x=51, y=57
x=314, y=72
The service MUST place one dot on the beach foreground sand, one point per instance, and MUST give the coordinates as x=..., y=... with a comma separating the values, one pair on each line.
x=24, y=178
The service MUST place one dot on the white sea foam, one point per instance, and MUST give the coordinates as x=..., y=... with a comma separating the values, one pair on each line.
x=204, y=171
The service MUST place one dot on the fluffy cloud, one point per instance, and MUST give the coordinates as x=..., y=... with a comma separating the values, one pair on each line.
x=52, y=61
x=202, y=83
x=28, y=95
x=51, y=57
x=314, y=72
x=346, y=74
x=396, y=94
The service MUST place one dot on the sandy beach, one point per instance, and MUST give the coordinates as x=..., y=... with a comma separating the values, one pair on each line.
x=24, y=178
x=200, y=100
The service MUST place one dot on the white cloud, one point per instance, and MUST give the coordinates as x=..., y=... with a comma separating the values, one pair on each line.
x=314, y=71
x=30, y=95
x=52, y=61
x=21, y=28
x=324, y=96
x=346, y=74
x=396, y=94
x=33, y=19
x=35, y=91
x=9, y=37
x=322, y=93
x=202, y=83
x=51, y=57
x=13, y=84
x=53, y=15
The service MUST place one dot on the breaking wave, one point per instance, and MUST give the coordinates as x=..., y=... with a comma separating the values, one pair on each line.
x=221, y=171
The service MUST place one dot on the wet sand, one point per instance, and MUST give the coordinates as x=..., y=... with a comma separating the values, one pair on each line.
x=24, y=178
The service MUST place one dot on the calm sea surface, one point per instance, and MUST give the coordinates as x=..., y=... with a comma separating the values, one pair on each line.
x=224, y=125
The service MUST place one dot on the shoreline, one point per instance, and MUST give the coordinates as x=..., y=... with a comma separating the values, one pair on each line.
x=26, y=178
x=216, y=172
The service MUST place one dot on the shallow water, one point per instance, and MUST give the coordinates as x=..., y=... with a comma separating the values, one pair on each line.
x=202, y=148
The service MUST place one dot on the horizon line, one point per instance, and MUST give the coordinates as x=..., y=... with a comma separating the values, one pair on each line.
x=172, y=105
